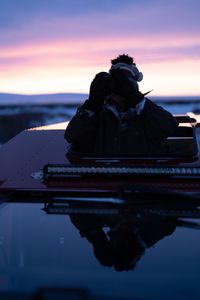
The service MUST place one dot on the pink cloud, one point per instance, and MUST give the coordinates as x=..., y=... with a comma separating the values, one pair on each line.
x=81, y=45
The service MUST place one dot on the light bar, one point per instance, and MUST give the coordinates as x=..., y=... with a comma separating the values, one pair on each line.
x=66, y=171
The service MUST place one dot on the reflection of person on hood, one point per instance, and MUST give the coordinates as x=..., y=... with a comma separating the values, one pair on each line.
x=125, y=243
x=117, y=119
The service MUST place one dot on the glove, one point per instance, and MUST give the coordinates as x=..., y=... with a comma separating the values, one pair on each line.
x=101, y=86
x=126, y=87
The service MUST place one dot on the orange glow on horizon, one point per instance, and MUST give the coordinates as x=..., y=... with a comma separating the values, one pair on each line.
x=69, y=66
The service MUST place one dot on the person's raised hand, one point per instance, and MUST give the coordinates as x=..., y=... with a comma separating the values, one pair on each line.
x=101, y=87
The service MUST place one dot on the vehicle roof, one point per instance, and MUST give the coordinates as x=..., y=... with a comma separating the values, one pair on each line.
x=26, y=154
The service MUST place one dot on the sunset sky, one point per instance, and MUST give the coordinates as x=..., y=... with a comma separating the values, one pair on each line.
x=53, y=46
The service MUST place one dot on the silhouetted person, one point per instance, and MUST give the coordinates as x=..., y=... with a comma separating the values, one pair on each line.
x=117, y=119
x=126, y=241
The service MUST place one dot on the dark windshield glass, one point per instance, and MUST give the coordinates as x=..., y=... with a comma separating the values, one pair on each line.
x=108, y=252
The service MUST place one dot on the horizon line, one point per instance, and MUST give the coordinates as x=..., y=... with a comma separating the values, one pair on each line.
x=79, y=93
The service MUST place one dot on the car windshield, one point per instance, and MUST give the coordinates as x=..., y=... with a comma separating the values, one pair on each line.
x=108, y=251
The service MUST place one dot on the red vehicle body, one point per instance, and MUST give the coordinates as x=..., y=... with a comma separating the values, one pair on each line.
x=37, y=162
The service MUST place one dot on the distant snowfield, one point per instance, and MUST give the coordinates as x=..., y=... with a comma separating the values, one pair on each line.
x=73, y=98
x=175, y=104
x=47, y=99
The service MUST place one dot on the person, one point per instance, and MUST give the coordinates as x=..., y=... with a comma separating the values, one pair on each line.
x=120, y=241
x=117, y=119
